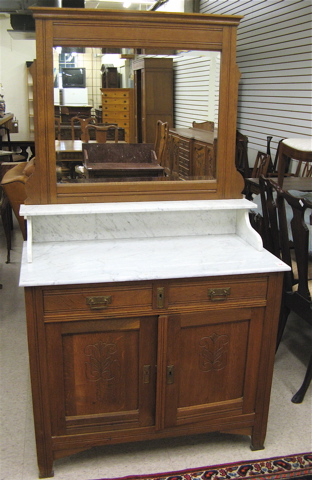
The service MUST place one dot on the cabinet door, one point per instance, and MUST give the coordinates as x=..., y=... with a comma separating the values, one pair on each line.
x=210, y=366
x=101, y=374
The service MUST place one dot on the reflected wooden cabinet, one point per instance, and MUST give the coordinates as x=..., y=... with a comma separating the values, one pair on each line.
x=193, y=154
x=117, y=360
x=153, y=86
x=117, y=107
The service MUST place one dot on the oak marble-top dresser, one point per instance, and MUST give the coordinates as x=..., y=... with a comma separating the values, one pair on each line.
x=152, y=307
x=130, y=303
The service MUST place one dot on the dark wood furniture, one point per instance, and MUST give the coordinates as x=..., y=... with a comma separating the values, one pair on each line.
x=193, y=153
x=296, y=148
x=66, y=112
x=153, y=96
x=303, y=184
x=294, y=251
x=82, y=122
x=18, y=148
x=120, y=160
x=102, y=133
x=23, y=150
x=261, y=165
x=117, y=108
x=241, y=155
x=109, y=77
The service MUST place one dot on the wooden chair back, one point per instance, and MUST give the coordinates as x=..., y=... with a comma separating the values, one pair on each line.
x=269, y=227
x=83, y=122
x=261, y=165
x=208, y=126
x=101, y=132
x=304, y=169
x=241, y=154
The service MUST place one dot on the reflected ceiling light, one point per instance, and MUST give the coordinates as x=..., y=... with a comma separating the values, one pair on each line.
x=126, y=4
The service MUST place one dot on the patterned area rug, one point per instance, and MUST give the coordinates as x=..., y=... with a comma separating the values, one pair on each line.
x=298, y=466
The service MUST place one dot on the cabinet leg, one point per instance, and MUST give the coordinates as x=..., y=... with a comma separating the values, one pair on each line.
x=256, y=443
x=45, y=473
x=46, y=470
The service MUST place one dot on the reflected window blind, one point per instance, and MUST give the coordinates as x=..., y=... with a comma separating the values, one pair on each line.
x=274, y=58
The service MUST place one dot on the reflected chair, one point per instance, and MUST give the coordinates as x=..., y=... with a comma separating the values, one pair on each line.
x=101, y=132
x=207, y=126
x=83, y=122
x=161, y=139
x=290, y=240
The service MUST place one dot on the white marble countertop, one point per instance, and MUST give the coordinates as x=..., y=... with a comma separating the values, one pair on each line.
x=128, y=207
x=96, y=261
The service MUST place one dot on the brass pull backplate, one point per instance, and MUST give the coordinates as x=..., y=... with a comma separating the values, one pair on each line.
x=170, y=374
x=98, y=303
x=218, y=294
x=146, y=373
x=160, y=297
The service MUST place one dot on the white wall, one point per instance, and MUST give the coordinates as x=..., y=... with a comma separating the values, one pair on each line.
x=13, y=57
x=274, y=58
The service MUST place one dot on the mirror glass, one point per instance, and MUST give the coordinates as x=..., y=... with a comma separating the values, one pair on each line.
x=130, y=89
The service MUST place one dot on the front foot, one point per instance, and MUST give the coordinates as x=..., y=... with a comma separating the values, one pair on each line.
x=255, y=446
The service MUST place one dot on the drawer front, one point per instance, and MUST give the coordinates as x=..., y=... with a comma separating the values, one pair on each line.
x=119, y=94
x=217, y=292
x=184, y=145
x=115, y=103
x=116, y=108
x=111, y=116
x=105, y=300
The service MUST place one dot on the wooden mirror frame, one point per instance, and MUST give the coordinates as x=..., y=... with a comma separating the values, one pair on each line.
x=109, y=28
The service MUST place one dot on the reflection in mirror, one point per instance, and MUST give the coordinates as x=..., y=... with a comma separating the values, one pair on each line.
x=135, y=92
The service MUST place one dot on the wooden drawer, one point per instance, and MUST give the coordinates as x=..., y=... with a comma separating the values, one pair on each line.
x=217, y=292
x=184, y=145
x=124, y=116
x=116, y=108
x=102, y=300
x=115, y=101
x=112, y=116
x=118, y=94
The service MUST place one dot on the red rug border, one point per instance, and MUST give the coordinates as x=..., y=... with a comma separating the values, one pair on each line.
x=209, y=467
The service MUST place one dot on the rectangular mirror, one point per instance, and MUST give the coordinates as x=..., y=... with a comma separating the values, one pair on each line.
x=93, y=86
x=131, y=70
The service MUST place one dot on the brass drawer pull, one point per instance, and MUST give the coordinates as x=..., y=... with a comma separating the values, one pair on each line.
x=218, y=294
x=98, y=303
